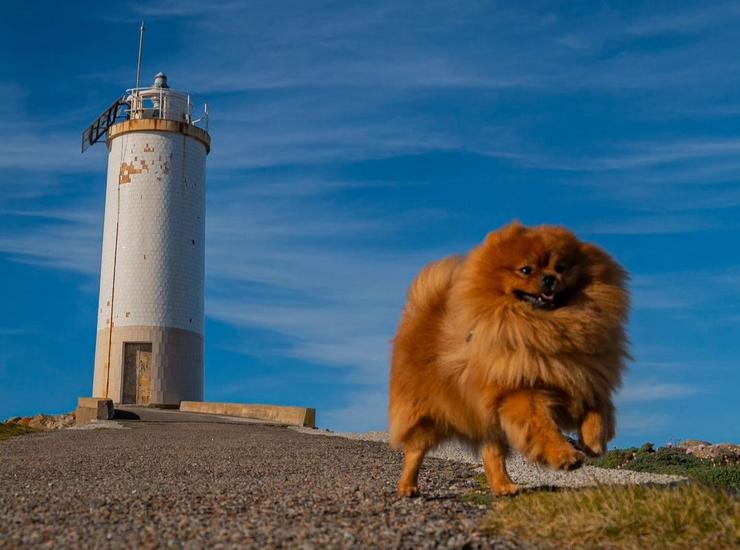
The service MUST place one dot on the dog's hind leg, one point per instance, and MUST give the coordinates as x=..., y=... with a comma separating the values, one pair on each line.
x=527, y=419
x=408, y=484
x=494, y=464
x=416, y=444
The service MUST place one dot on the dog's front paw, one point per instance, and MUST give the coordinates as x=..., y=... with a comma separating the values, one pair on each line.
x=593, y=448
x=408, y=491
x=505, y=489
x=565, y=458
x=596, y=429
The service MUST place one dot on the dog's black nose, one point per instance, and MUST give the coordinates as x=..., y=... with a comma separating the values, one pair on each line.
x=548, y=281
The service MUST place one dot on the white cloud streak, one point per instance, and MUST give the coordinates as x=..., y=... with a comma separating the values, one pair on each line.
x=301, y=273
x=644, y=424
x=364, y=411
x=698, y=290
x=655, y=391
x=333, y=83
x=65, y=239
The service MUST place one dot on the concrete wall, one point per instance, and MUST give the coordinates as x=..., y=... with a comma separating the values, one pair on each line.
x=295, y=416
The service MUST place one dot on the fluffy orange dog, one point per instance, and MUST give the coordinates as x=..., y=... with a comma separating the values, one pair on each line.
x=508, y=346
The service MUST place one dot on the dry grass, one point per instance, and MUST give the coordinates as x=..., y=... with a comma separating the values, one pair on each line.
x=621, y=517
x=11, y=430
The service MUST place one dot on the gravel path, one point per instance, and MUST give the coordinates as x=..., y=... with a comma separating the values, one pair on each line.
x=185, y=480
x=522, y=471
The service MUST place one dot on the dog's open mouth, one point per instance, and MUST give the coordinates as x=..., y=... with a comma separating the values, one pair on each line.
x=543, y=300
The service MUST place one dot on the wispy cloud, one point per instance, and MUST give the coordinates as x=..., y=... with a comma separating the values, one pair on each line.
x=37, y=143
x=656, y=391
x=665, y=367
x=236, y=387
x=37, y=150
x=643, y=424
x=186, y=8
x=657, y=224
x=686, y=21
x=364, y=411
x=697, y=290
x=68, y=240
x=639, y=155
x=336, y=81
x=307, y=271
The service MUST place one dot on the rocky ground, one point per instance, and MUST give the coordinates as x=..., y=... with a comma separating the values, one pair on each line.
x=525, y=473
x=187, y=480
x=721, y=453
x=44, y=421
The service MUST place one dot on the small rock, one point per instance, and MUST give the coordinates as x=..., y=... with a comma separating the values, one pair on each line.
x=692, y=443
x=45, y=421
x=724, y=453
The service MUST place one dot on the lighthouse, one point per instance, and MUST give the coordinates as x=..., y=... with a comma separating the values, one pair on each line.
x=149, y=346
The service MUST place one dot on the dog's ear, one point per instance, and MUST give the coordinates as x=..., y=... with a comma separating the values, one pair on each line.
x=601, y=266
x=514, y=229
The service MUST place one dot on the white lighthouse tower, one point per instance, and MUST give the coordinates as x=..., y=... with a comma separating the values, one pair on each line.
x=149, y=346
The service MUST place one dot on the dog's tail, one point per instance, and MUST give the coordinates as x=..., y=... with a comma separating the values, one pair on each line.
x=427, y=298
x=428, y=292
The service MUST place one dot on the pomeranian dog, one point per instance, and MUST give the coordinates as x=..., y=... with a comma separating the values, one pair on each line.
x=507, y=347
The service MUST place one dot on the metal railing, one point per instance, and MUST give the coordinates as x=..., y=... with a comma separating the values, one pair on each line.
x=164, y=103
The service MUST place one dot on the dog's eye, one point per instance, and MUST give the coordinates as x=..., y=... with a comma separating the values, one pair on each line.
x=526, y=270
x=560, y=268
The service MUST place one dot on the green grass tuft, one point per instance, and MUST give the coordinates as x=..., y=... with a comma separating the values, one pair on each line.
x=700, y=514
x=480, y=498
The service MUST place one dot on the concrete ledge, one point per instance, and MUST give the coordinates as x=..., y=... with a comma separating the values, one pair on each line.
x=295, y=416
x=160, y=125
x=93, y=408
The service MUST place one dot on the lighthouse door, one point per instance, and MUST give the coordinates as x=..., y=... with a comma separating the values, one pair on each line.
x=136, y=373
x=143, y=376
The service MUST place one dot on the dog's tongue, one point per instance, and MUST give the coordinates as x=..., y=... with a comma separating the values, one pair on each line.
x=547, y=297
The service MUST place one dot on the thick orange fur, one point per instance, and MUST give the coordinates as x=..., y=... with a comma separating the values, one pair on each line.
x=473, y=360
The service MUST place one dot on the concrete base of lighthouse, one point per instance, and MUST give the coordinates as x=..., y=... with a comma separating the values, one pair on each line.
x=149, y=365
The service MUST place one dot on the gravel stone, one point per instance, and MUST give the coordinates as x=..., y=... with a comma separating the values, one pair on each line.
x=173, y=479
x=521, y=470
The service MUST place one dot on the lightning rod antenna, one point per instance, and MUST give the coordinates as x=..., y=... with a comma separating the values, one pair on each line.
x=141, y=47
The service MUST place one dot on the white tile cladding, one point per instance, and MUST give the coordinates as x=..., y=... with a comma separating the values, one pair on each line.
x=154, y=230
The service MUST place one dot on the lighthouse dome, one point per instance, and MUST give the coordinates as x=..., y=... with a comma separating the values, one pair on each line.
x=160, y=80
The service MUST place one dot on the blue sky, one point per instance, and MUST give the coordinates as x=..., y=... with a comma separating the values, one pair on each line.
x=355, y=141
